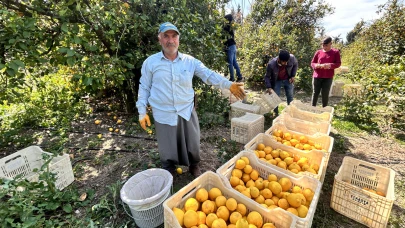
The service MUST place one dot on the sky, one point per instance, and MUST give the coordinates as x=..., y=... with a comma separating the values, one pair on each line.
x=346, y=15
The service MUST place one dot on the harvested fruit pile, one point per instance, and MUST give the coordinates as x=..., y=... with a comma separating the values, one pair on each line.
x=270, y=192
x=285, y=160
x=210, y=208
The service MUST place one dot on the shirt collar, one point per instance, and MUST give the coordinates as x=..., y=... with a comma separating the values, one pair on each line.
x=179, y=56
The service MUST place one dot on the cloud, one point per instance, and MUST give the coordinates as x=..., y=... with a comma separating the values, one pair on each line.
x=348, y=13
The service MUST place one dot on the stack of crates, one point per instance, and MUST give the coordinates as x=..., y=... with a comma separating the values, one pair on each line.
x=324, y=141
x=314, y=123
x=303, y=126
x=350, y=90
x=336, y=89
x=245, y=128
x=364, y=192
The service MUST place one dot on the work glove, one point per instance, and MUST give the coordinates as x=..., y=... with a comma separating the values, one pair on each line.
x=237, y=91
x=145, y=120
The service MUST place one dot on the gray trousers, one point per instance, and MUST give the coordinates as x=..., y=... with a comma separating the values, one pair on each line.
x=321, y=85
x=179, y=145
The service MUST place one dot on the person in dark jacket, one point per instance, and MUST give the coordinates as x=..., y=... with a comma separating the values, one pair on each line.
x=230, y=47
x=280, y=72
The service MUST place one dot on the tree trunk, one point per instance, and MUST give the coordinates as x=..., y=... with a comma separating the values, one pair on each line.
x=131, y=88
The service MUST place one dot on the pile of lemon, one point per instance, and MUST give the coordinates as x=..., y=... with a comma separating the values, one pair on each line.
x=300, y=142
x=270, y=192
x=212, y=209
x=285, y=160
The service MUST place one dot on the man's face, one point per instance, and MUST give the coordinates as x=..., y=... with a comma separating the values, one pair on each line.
x=169, y=42
x=282, y=63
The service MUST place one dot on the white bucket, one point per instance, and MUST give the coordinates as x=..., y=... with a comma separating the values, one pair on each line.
x=145, y=193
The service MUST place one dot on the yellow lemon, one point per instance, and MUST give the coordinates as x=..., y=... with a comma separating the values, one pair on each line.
x=260, y=146
x=179, y=170
x=255, y=218
x=190, y=218
x=201, y=195
x=179, y=215
x=242, y=223
x=191, y=204
x=241, y=208
x=214, y=193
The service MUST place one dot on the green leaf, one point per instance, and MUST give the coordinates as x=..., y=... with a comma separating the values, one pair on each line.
x=71, y=61
x=22, y=46
x=77, y=40
x=62, y=12
x=11, y=41
x=19, y=63
x=13, y=65
x=2, y=66
x=87, y=81
x=10, y=72
x=67, y=208
x=65, y=27
x=63, y=50
x=70, y=53
x=10, y=220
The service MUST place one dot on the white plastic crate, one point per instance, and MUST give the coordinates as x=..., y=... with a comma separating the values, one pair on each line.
x=210, y=180
x=350, y=90
x=302, y=126
x=336, y=89
x=310, y=108
x=342, y=70
x=268, y=102
x=239, y=109
x=308, y=116
x=349, y=198
x=314, y=157
x=246, y=127
x=225, y=172
x=325, y=141
x=26, y=160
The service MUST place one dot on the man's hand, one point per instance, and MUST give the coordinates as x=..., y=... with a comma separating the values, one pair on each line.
x=237, y=91
x=270, y=90
x=291, y=80
x=326, y=66
x=145, y=120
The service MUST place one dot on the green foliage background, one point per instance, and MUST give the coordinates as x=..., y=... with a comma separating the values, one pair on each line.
x=275, y=25
x=376, y=59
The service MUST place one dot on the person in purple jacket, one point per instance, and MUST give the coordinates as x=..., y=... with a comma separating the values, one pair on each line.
x=324, y=63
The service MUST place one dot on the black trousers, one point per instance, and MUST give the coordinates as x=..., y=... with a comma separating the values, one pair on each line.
x=321, y=85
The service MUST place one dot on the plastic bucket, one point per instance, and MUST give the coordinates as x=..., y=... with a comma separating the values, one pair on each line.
x=145, y=193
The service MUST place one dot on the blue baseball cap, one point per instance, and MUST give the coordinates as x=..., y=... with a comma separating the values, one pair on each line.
x=168, y=26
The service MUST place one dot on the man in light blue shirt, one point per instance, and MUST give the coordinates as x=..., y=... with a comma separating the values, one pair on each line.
x=166, y=84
